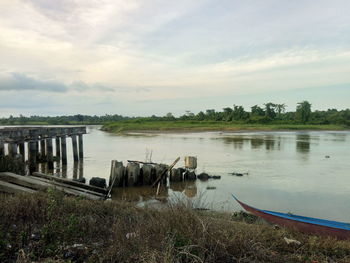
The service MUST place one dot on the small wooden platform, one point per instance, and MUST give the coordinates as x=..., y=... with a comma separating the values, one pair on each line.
x=14, y=183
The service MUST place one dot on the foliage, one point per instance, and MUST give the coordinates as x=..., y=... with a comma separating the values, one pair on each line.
x=271, y=113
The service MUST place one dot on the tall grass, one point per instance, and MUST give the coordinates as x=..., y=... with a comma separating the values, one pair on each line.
x=50, y=226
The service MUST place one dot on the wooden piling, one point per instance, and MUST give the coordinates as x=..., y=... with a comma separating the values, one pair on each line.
x=75, y=148
x=117, y=174
x=81, y=147
x=58, y=148
x=132, y=174
x=64, y=150
x=43, y=150
x=32, y=150
x=49, y=152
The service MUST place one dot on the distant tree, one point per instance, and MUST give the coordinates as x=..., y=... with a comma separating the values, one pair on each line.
x=257, y=111
x=303, y=111
x=227, y=114
x=280, y=108
x=239, y=113
x=200, y=116
x=270, y=110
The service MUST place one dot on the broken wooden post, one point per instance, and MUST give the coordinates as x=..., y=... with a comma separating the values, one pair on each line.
x=75, y=148
x=64, y=150
x=132, y=174
x=116, y=178
x=148, y=174
x=49, y=153
x=22, y=150
x=58, y=148
x=175, y=175
x=81, y=147
x=42, y=150
x=12, y=149
x=32, y=150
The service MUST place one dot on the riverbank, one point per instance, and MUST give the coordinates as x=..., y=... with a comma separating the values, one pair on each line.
x=202, y=126
x=49, y=227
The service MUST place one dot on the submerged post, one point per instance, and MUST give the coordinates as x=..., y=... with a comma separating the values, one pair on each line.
x=81, y=149
x=49, y=151
x=75, y=148
x=64, y=150
x=32, y=156
x=58, y=148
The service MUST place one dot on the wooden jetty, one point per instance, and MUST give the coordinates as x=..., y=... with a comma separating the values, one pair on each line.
x=37, y=142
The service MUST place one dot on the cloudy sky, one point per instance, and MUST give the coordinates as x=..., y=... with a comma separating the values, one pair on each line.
x=143, y=57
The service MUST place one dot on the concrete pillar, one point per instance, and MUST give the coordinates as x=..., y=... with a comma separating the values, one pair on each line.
x=37, y=151
x=75, y=170
x=22, y=150
x=58, y=148
x=2, y=149
x=117, y=174
x=148, y=174
x=12, y=149
x=75, y=148
x=81, y=147
x=132, y=174
x=32, y=150
x=64, y=150
x=175, y=175
x=49, y=152
x=43, y=149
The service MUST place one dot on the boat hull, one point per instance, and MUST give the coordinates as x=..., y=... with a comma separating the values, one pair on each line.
x=305, y=227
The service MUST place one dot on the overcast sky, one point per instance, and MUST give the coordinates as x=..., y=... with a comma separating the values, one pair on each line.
x=143, y=57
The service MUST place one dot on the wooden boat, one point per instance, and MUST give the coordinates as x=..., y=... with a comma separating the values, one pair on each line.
x=304, y=224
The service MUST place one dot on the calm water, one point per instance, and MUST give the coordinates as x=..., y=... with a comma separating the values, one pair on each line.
x=288, y=171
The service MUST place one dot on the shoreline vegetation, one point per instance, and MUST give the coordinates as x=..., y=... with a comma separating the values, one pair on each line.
x=269, y=117
x=210, y=126
x=51, y=227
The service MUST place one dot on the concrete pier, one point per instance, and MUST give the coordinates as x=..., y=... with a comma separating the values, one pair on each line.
x=64, y=150
x=75, y=148
x=18, y=137
x=49, y=152
x=42, y=150
x=81, y=147
x=2, y=148
x=58, y=147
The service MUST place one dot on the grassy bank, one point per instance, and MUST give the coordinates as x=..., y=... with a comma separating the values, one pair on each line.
x=139, y=125
x=49, y=227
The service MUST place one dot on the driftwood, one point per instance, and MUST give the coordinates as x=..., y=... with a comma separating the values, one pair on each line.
x=164, y=173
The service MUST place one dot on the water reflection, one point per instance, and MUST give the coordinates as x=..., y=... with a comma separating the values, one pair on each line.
x=303, y=143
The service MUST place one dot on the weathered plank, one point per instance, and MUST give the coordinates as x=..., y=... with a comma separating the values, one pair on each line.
x=14, y=189
x=33, y=183
x=70, y=182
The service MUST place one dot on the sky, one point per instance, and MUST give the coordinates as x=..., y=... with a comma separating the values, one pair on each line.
x=144, y=57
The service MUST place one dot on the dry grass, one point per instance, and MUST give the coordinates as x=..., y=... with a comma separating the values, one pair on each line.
x=49, y=227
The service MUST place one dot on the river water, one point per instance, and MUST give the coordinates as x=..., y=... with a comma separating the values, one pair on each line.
x=304, y=173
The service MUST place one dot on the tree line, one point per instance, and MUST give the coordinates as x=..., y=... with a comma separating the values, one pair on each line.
x=267, y=113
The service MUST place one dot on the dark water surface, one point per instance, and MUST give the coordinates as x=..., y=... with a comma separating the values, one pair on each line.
x=287, y=171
